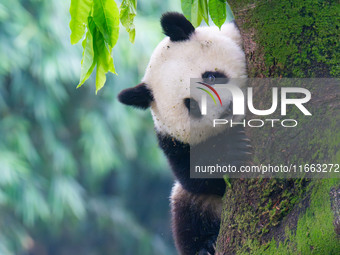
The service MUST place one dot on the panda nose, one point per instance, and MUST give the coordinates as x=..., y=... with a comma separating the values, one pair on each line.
x=228, y=111
x=193, y=107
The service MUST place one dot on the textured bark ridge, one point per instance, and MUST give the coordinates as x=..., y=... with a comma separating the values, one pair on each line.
x=288, y=216
x=302, y=220
x=335, y=203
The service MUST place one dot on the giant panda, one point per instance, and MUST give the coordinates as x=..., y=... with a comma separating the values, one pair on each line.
x=186, y=52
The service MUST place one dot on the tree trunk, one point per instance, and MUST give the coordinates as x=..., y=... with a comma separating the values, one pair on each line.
x=286, y=38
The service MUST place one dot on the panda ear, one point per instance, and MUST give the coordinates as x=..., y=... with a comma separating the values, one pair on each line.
x=139, y=96
x=176, y=26
x=232, y=31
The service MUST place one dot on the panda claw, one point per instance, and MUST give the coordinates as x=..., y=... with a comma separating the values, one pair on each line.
x=245, y=139
x=244, y=145
x=243, y=153
x=203, y=252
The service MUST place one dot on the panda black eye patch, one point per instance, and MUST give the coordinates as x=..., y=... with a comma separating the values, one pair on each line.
x=214, y=77
x=193, y=107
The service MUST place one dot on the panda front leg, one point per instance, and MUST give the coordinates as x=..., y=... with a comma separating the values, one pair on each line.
x=195, y=221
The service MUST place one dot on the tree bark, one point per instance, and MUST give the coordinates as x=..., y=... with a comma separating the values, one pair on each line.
x=297, y=215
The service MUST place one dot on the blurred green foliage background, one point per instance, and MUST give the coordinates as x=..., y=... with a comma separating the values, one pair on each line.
x=79, y=173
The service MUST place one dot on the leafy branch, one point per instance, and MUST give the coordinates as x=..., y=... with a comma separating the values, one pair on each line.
x=99, y=21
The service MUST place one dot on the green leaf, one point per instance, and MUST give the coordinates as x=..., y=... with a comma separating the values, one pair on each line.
x=106, y=17
x=12, y=168
x=203, y=7
x=88, y=61
x=196, y=17
x=96, y=49
x=104, y=59
x=33, y=204
x=186, y=8
x=218, y=12
x=79, y=10
x=127, y=15
x=195, y=11
x=67, y=195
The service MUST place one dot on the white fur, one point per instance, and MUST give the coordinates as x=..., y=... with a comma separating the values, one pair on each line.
x=171, y=66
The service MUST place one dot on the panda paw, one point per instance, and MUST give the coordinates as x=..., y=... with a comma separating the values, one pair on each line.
x=240, y=149
x=204, y=252
x=209, y=247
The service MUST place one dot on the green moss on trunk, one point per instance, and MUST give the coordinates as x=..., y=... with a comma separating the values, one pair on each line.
x=296, y=38
x=285, y=38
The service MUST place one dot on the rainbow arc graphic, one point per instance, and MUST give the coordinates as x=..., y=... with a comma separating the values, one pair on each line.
x=209, y=93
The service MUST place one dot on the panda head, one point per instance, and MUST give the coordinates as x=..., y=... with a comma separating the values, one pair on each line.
x=206, y=53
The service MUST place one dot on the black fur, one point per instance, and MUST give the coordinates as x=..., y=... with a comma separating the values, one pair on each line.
x=139, y=96
x=236, y=151
x=193, y=107
x=178, y=155
x=195, y=229
x=176, y=26
x=222, y=78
